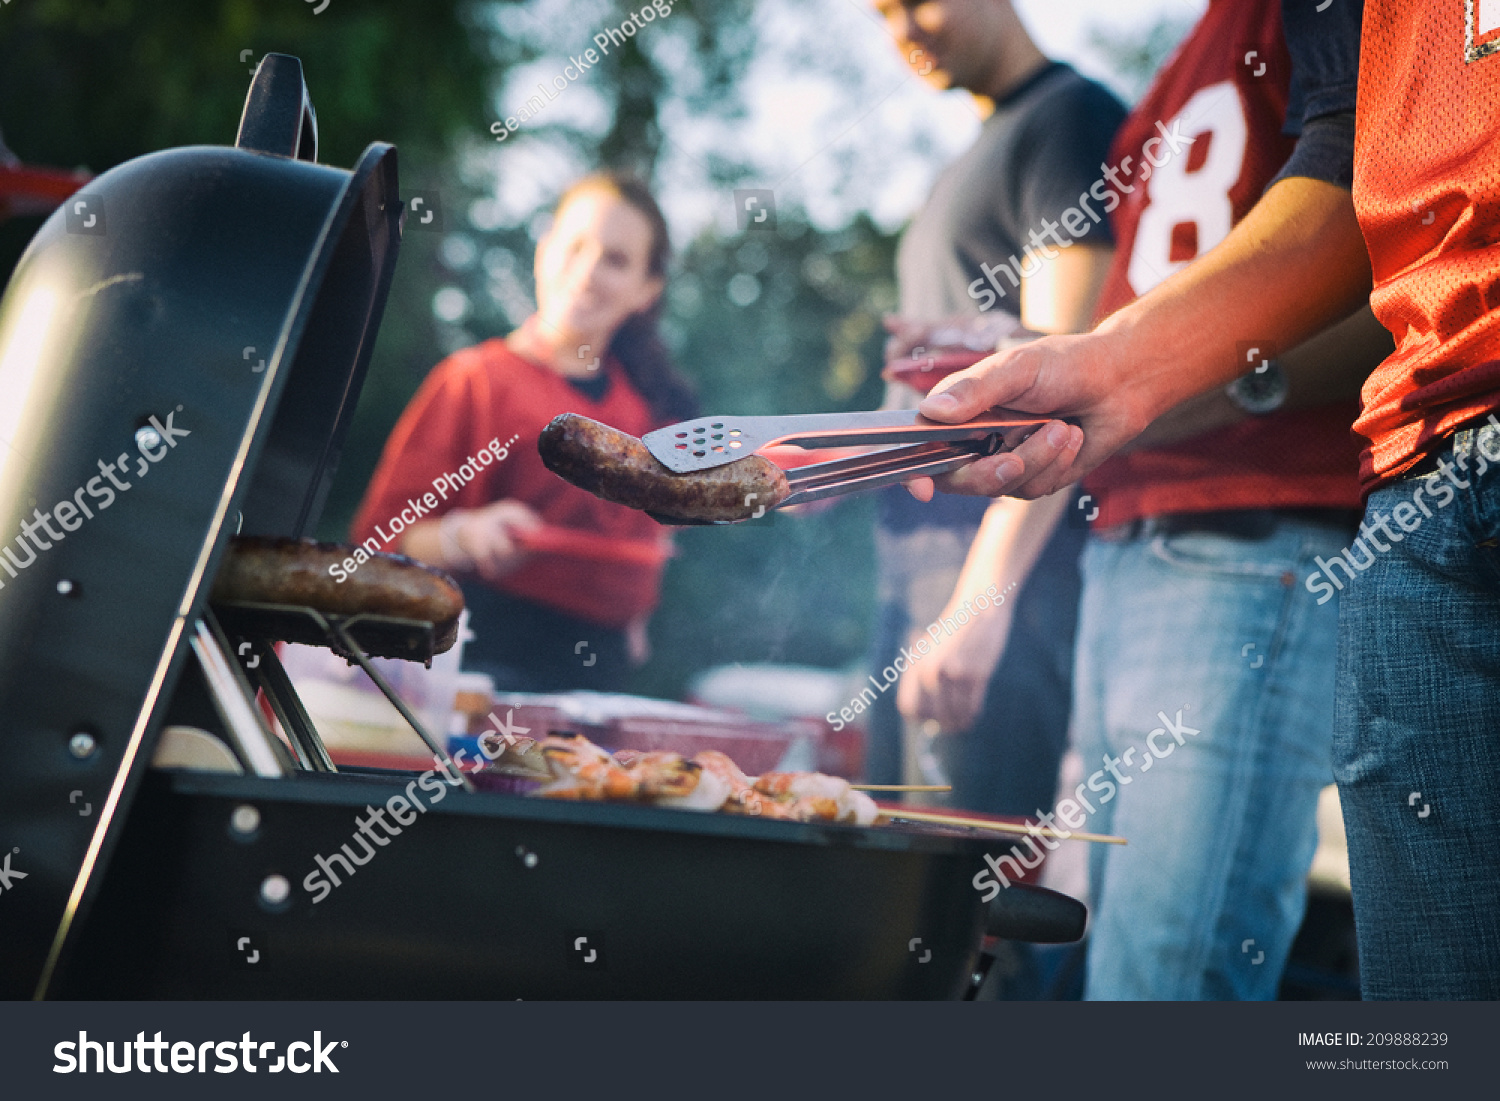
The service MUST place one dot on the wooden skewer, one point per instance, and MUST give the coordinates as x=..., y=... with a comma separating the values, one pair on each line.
x=999, y=827
x=902, y=787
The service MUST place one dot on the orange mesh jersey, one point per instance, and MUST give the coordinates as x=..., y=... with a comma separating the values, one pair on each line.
x=1427, y=190
x=1227, y=87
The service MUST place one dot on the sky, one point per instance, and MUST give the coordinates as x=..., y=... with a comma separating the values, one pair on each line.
x=1061, y=26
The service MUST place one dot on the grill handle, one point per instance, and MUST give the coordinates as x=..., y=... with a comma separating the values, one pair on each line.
x=279, y=116
x=1037, y=915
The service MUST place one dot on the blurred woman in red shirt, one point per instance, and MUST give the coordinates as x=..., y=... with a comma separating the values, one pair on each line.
x=559, y=583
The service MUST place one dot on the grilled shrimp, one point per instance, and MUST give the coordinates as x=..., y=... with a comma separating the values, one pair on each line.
x=581, y=770
x=671, y=780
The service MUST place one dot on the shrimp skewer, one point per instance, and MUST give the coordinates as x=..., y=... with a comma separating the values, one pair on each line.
x=581, y=770
x=815, y=796
x=743, y=798
x=672, y=780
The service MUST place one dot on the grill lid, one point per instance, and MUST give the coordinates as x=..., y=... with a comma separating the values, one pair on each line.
x=181, y=349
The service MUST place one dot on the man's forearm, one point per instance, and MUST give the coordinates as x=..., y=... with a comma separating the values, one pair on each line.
x=1331, y=367
x=1294, y=264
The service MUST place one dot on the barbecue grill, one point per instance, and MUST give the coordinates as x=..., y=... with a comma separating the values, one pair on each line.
x=191, y=341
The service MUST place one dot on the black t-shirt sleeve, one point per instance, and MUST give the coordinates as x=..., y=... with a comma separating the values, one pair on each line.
x=1325, y=81
x=1058, y=155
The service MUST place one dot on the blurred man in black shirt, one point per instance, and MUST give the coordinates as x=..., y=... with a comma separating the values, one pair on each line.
x=982, y=260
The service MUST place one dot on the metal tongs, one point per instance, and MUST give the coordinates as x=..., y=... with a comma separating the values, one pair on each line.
x=928, y=448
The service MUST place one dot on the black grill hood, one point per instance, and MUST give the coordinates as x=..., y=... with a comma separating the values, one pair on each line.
x=232, y=294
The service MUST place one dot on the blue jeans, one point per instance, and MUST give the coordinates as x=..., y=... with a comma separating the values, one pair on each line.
x=1417, y=735
x=1203, y=698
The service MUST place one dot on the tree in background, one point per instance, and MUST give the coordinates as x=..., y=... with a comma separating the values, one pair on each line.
x=1135, y=57
x=97, y=82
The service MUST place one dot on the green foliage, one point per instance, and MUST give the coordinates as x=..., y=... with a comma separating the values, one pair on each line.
x=695, y=58
x=96, y=82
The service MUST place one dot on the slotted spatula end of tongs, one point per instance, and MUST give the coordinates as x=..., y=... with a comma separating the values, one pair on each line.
x=924, y=447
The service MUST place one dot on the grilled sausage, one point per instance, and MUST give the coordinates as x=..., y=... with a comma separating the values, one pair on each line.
x=617, y=467
x=260, y=570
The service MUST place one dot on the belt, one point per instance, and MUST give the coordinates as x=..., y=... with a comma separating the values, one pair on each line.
x=1250, y=523
x=1461, y=443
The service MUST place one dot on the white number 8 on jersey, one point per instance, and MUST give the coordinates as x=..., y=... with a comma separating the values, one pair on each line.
x=1201, y=198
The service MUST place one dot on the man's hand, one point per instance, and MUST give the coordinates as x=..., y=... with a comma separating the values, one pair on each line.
x=1053, y=375
x=948, y=685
